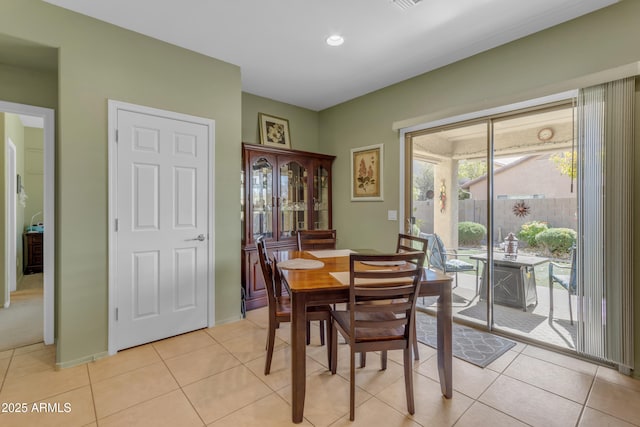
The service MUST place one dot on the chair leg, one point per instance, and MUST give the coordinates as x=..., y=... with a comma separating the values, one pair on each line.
x=551, y=301
x=329, y=339
x=416, y=353
x=383, y=360
x=308, y=332
x=333, y=336
x=352, y=386
x=408, y=380
x=271, y=338
x=570, y=311
x=321, y=322
x=363, y=359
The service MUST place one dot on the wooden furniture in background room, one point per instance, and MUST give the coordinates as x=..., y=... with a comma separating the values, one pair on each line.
x=282, y=191
x=316, y=239
x=32, y=253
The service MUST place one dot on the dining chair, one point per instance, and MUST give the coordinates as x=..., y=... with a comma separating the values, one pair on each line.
x=316, y=239
x=567, y=281
x=380, y=313
x=280, y=306
x=409, y=243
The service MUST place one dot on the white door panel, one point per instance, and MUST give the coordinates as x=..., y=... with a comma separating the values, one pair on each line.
x=162, y=198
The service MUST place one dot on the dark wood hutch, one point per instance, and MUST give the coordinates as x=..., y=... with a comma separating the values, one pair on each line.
x=282, y=191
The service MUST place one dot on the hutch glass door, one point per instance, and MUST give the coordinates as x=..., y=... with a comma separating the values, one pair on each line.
x=321, y=199
x=293, y=199
x=262, y=198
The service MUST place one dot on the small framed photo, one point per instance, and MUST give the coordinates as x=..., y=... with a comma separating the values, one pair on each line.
x=366, y=173
x=274, y=131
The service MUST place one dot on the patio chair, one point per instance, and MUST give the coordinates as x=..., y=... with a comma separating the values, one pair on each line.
x=447, y=260
x=567, y=281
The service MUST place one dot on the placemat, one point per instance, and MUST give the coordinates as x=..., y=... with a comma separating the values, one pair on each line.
x=343, y=277
x=300, y=264
x=331, y=253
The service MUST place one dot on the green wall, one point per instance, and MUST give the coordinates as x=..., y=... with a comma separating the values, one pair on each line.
x=524, y=69
x=303, y=123
x=33, y=174
x=97, y=62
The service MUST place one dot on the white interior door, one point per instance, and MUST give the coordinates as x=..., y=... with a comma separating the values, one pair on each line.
x=162, y=227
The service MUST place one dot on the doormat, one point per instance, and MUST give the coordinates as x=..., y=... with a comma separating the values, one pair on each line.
x=471, y=345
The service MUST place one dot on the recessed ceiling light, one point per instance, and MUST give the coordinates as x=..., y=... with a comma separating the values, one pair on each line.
x=335, y=40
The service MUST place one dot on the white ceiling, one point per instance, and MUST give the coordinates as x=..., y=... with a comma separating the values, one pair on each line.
x=280, y=44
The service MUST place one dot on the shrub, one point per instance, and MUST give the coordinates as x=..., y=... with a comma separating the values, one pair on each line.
x=557, y=240
x=530, y=230
x=471, y=233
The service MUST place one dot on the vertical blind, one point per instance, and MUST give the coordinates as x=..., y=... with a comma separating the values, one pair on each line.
x=604, y=263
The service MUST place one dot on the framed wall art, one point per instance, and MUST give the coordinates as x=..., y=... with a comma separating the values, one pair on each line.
x=274, y=131
x=366, y=173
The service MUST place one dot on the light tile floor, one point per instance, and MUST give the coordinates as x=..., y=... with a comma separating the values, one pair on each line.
x=214, y=377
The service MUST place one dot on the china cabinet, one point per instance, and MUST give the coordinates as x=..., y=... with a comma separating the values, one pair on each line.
x=282, y=191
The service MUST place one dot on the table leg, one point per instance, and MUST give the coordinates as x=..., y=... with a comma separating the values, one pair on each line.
x=298, y=354
x=445, y=339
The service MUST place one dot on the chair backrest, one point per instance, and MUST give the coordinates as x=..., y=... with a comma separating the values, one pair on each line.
x=316, y=239
x=437, y=252
x=268, y=271
x=410, y=243
x=382, y=290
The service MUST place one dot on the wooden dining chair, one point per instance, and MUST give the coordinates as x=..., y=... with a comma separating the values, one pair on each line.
x=406, y=243
x=409, y=243
x=316, y=239
x=280, y=306
x=380, y=313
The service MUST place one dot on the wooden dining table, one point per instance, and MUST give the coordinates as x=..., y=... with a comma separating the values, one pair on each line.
x=309, y=287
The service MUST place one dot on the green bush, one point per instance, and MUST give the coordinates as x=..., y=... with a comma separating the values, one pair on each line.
x=530, y=230
x=557, y=240
x=471, y=233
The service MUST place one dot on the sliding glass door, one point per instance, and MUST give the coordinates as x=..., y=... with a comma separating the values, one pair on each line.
x=500, y=195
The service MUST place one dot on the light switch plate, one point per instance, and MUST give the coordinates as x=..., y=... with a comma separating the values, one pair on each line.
x=392, y=215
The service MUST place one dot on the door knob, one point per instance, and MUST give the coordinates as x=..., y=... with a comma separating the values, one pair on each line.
x=200, y=237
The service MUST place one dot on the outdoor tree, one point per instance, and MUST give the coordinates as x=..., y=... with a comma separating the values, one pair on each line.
x=566, y=163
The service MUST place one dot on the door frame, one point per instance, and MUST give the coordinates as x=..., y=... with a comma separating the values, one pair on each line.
x=11, y=168
x=48, y=117
x=113, y=108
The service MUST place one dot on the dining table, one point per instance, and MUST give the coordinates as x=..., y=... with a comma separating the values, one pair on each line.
x=323, y=283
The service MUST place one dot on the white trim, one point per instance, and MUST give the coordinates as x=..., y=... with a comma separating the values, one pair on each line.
x=113, y=108
x=10, y=163
x=48, y=116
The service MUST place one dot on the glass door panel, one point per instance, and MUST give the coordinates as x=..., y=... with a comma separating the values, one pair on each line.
x=446, y=162
x=293, y=199
x=262, y=198
x=535, y=206
x=321, y=199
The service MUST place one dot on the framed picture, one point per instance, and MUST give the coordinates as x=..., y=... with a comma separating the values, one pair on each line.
x=274, y=131
x=366, y=173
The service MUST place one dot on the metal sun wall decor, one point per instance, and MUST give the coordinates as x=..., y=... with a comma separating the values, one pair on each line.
x=520, y=209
